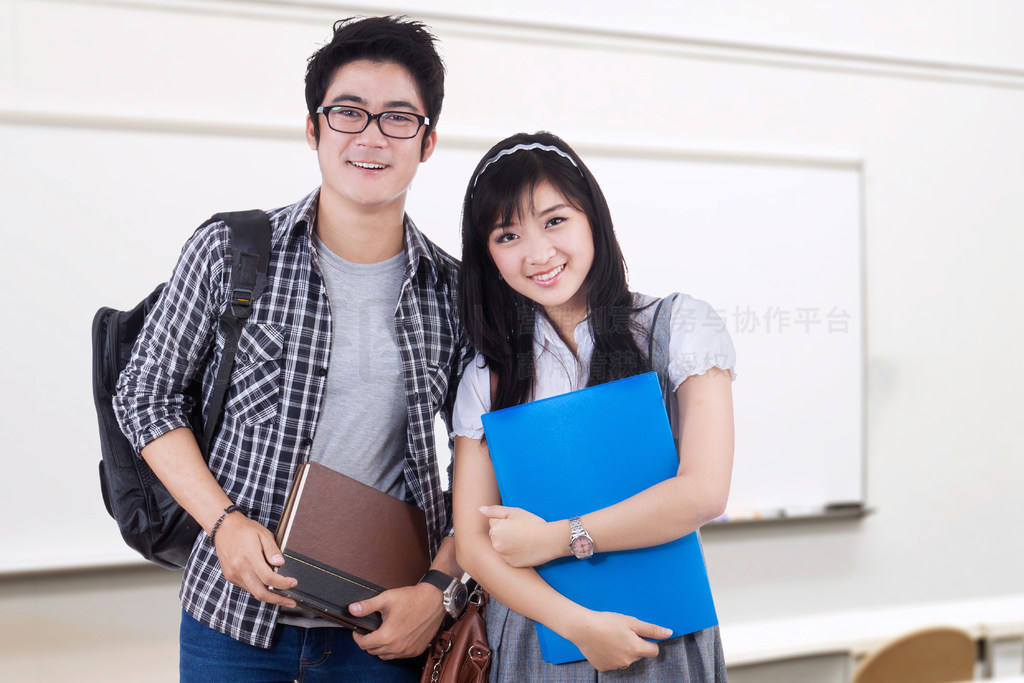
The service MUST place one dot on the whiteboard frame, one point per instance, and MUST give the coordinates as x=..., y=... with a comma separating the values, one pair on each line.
x=476, y=139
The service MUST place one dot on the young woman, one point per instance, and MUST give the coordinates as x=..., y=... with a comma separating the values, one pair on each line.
x=544, y=298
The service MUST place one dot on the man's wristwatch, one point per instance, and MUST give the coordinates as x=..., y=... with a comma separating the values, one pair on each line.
x=580, y=542
x=454, y=592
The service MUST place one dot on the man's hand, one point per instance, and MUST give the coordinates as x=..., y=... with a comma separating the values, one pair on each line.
x=246, y=549
x=248, y=554
x=412, y=615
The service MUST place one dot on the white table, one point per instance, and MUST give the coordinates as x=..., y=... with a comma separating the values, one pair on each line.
x=856, y=633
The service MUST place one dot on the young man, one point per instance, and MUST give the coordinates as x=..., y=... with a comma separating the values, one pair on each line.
x=348, y=355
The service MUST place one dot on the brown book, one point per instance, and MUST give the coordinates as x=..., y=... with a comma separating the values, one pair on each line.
x=345, y=541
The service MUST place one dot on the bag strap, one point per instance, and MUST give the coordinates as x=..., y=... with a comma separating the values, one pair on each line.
x=494, y=387
x=250, y=251
x=658, y=352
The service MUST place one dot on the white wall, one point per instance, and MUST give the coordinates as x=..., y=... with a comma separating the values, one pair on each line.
x=929, y=95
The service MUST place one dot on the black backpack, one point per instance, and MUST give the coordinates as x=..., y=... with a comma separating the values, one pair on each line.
x=151, y=521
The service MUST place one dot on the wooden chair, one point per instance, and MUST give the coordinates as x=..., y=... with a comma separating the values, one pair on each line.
x=931, y=655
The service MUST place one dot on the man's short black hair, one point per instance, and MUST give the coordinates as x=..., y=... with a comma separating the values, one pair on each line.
x=400, y=40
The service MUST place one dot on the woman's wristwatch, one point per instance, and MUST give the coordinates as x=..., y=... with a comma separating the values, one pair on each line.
x=454, y=592
x=580, y=542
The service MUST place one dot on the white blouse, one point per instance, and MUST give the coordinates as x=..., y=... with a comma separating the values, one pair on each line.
x=698, y=342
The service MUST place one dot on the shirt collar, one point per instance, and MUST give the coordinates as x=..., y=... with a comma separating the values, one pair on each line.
x=417, y=248
x=546, y=338
x=302, y=214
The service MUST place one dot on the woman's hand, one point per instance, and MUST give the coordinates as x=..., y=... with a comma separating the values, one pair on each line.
x=522, y=538
x=614, y=641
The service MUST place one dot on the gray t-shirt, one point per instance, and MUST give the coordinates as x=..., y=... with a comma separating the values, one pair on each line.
x=363, y=425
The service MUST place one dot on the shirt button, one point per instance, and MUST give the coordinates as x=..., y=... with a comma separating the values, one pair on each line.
x=322, y=372
x=307, y=442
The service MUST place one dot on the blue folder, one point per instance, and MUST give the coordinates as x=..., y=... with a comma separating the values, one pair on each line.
x=585, y=450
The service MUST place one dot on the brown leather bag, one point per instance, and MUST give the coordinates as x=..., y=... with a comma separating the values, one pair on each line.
x=460, y=654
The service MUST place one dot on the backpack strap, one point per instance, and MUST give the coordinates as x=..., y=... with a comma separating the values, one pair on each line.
x=250, y=251
x=494, y=387
x=658, y=352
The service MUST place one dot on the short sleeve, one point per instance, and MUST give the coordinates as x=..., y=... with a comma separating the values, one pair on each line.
x=472, y=400
x=699, y=341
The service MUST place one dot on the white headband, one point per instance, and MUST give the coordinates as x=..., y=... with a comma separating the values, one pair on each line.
x=513, y=150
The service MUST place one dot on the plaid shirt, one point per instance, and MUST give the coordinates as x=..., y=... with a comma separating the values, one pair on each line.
x=277, y=386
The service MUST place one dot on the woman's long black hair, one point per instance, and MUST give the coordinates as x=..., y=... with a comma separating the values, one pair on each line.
x=499, y=320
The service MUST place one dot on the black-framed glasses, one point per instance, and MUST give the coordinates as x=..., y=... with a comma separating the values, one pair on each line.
x=345, y=118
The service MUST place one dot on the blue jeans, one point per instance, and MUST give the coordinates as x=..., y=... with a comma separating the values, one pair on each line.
x=308, y=655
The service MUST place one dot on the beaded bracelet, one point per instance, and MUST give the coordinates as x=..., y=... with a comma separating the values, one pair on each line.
x=227, y=511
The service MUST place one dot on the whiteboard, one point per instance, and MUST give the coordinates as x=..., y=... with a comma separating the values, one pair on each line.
x=774, y=244
x=96, y=216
